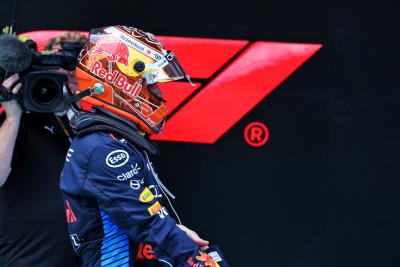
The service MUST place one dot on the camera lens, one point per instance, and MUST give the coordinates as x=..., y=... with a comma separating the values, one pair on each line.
x=45, y=91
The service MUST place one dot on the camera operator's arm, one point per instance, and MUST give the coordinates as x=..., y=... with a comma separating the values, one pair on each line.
x=9, y=128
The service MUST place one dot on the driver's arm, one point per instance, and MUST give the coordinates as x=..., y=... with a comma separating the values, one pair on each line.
x=136, y=212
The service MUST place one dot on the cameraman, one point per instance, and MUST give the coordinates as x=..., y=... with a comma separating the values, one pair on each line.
x=32, y=218
x=9, y=128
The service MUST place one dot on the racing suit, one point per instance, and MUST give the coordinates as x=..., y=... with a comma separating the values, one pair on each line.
x=115, y=210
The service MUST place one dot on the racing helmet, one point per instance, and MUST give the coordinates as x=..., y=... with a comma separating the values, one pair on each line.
x=128, y=62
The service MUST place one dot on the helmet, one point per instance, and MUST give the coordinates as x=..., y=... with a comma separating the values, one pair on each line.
x=128, y=62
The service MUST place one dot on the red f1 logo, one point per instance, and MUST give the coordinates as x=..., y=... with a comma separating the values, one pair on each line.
x=231, y=78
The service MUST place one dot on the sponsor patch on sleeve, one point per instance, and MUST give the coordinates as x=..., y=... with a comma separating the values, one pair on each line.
x=207, y=260
x=146, y=195
x=215, y=256
x=154, y=208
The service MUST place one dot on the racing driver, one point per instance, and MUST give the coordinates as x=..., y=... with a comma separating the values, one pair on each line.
x=113, y=197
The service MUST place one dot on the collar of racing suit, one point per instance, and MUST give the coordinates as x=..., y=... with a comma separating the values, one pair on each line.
x=100, y=120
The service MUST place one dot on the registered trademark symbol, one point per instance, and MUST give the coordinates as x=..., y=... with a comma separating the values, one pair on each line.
x=256, y=134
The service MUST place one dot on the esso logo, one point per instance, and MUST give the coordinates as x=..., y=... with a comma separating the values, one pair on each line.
x=117, y=158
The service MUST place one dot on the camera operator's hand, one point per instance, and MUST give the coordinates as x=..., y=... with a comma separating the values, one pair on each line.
x=12, y=108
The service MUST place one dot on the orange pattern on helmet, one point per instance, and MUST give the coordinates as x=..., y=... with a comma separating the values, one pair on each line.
x=125, y=60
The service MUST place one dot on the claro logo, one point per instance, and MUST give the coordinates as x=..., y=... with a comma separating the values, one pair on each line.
x=117, y=158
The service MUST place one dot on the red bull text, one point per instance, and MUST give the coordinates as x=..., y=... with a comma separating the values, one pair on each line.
x=116, y=78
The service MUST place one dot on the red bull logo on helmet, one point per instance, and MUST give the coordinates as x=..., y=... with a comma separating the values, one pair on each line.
x=116, y=78
x=115, y=51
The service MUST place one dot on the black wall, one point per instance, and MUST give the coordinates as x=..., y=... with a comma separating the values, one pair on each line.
x=324, y=190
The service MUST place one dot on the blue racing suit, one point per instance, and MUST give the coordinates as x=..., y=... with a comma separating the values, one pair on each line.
x=115, y=210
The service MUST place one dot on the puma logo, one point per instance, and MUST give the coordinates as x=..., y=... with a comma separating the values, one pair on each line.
x=50, y=129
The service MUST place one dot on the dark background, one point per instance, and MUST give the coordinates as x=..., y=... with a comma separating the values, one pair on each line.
x=324, y=190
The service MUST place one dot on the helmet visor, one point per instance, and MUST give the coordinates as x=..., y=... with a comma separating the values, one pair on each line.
x=166, y=69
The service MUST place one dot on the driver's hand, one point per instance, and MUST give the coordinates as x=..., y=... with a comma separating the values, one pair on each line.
x=203, y=244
